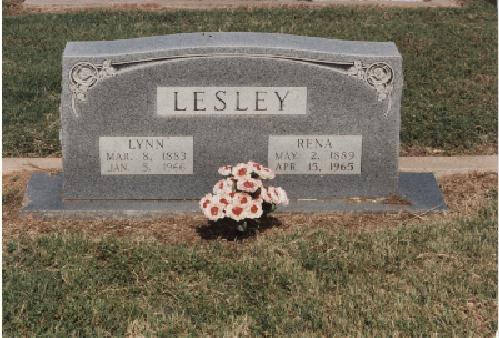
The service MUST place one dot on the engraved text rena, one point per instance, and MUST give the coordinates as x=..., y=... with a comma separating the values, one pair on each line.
x=314, y=143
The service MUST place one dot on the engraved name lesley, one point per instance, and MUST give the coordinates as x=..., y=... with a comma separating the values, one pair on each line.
x=231, y=100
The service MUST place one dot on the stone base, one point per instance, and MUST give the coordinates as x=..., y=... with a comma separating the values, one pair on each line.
x=418, y=192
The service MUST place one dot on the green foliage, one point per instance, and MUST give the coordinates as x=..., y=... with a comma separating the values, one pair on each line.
x=450, y=62
x=406, y=280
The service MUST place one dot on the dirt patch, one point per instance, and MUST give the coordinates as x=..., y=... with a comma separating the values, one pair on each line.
x=58, y=6
x=465, y=195
x=396, y=199
x=12, y=7
x=419, y=151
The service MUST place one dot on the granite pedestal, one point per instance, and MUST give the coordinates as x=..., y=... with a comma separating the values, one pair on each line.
x=418, y=192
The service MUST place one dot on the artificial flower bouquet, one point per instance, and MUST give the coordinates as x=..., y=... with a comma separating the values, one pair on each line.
x=241, y=196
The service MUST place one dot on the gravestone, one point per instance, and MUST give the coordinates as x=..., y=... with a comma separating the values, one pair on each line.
x=145, y=123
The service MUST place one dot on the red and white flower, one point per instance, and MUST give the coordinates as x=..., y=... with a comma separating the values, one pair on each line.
x=241, y=195
x=205, y=201
x=269, y=195
x=236, y=212
x=254, y=210
x=242, y=170
x=248, y=184
x=214, y=211
x=242, y=199
x=225, y=170
x=283, y=196
x=266, y=173
x=266, y=195
x=223, y=186
x=224, y=199
x=255, y=166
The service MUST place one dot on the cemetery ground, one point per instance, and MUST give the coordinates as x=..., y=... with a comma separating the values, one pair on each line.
x=305, y=275
x=450, y=56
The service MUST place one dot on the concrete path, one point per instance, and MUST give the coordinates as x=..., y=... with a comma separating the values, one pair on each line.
x=10, y=165
x=437, y=165
x=75, y=5
x=449, y=165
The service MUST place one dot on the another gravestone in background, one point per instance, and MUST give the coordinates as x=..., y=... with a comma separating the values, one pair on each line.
x=153, y=118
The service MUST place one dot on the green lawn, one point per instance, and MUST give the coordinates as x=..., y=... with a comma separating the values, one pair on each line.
x=450, y=61
x=406, y=280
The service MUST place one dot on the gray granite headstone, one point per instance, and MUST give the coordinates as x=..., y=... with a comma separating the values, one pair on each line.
x=153, y=118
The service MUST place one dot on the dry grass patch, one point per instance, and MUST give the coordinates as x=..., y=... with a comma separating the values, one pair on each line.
x=311, y=275
x=12, y=7
x=465, y=195
x=419, y=151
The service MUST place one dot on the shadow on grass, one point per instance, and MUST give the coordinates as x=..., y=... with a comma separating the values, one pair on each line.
x=227, y=229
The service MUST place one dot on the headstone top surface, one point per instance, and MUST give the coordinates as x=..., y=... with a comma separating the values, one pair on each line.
x=154, y=118
x=203, y=42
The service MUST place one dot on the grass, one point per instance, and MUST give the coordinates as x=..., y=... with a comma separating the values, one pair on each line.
x=436, y=278
x=450, y=63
